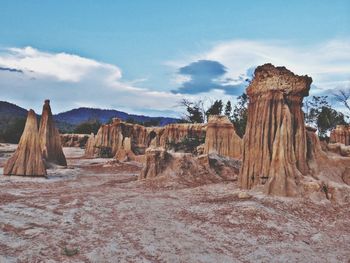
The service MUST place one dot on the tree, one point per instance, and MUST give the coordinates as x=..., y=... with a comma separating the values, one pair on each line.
x=327, y=120
x=228, y=109
x=195, y=111
x=87, y=127
x=214, y=109
x=320, y=114
x=313, y=108
x=240, y=114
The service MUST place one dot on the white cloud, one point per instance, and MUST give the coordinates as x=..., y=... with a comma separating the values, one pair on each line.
x=327, y=63
x=73, y=81
x=61, y=66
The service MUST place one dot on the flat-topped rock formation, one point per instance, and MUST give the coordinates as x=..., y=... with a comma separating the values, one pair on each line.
x=50, y=141
x=74, y=140
x=28, y=159
x=341, y=134
x=274, y=145
x=221, y=138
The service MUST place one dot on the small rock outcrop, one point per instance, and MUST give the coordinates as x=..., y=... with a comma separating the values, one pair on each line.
x=186, y=169
x=157, y=160
x=50, y=141
x=274, y=145
x=341, y=134
x=125, y=152
x=339, y=148
x=28, y=159
x=221, y=138
x=74, y=140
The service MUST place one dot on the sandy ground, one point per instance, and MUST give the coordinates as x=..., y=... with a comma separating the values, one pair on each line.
x=98, y=212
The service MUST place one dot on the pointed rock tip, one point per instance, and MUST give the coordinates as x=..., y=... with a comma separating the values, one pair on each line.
x=31, y=112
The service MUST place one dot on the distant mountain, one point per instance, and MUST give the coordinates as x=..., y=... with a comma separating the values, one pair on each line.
x=68, y=120
x=80, y=115
x=10, y=109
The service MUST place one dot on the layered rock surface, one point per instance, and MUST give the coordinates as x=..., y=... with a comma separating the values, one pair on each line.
x=28, y=159
x=110, y=137
x=50, y=141
x=221, y=137
x=341, y=134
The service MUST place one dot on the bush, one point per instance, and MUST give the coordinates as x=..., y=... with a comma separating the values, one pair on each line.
x=88, y=127
x=188, y=144
x=105, y=152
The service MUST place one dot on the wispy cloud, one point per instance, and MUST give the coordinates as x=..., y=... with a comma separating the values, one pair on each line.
x=11, y=70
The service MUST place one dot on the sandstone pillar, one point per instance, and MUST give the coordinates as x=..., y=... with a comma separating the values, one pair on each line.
x=274, y=145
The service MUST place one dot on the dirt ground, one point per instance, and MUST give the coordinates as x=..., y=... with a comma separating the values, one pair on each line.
x=96, y=211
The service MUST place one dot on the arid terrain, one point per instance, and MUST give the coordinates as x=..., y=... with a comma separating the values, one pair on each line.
x=97, y=211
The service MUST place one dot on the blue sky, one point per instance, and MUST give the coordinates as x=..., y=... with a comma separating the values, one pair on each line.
x=148, y=43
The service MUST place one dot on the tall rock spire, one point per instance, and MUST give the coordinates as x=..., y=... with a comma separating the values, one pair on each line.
x=50, y=141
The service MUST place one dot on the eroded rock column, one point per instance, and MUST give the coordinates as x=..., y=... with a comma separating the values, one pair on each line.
x=221, y=137
x=274, y=145
x=50, y=141
x=28, y=159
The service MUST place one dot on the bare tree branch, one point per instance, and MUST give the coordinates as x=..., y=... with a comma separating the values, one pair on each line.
x=342, y=96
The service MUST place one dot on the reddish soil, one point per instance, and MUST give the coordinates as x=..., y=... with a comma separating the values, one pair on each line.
x=98, y=212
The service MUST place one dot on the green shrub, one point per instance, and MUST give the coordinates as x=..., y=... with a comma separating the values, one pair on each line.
x=188, y=144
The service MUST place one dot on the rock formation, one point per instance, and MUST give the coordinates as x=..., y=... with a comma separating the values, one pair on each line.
x=341, y=134
x=339, y=148
x=125, y=152
x=157, y=160
x=274, y=145
x=74, y=140
x=28, y=159
x=221, y=137
x=187, y=169
x=50, y=141
x=175, y=133
x=110, y=137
